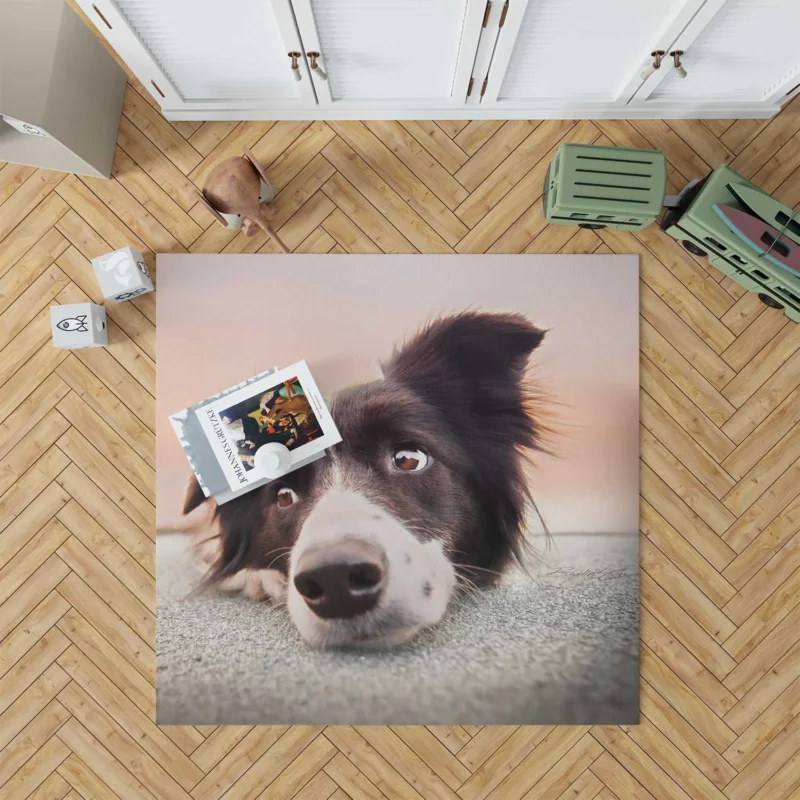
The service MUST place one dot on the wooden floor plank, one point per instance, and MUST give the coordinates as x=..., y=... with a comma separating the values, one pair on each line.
x=12, y=176
x=419, y=161
x=90, y=758
x=693, y=600
x=18, y=279
x=766, y=509
x=505, y=202
x=376, y=227
x=692, y=635
x=475, y=134
x=711, y=474
x=352, y=782
x=437, y=143
x=501, y=180
x=153, y=161
x=684, y=375
x=770, y=571
x=25, y=199
x=136, y=724
x=765, y=728
x=493, y=152
x=108, y=443
x=37, y=769
x=299, y=153
x=38, y=698
x=414, y=210
x=543, y=769
x=108, y=515
x=154, y=199
x=32, y=228
x=120, y=743
x=237, y=762
x=684, y=737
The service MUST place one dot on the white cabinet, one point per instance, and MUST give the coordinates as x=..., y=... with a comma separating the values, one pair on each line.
x=577, y=51
x=209, y=54
x=390, y=53
x=383, y=59
x=745, y=51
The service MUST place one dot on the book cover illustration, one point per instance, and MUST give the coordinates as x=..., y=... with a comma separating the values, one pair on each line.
x=222, y=433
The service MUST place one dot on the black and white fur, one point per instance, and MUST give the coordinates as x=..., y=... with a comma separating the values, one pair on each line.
x=454, y=397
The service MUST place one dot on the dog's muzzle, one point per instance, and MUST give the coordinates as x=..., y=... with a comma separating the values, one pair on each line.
x=359, y=577
x=341, y=580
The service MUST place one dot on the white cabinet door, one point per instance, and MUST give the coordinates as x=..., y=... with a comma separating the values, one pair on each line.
x=208, y=54
x=385, y=54
x=577, y=53
x=745, y=51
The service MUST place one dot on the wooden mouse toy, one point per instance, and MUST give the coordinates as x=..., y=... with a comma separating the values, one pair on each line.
x=235, y=192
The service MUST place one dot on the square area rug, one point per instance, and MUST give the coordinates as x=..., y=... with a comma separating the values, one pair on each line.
x=489, y=413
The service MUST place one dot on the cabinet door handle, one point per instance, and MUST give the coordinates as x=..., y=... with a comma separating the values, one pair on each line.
x=317, y=70
x=100, y=14
x=657, y=56
x=296, y=74
x=676, y=59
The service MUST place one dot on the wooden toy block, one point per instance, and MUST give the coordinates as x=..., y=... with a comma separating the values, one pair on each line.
x=78, y=325
x=122, y=275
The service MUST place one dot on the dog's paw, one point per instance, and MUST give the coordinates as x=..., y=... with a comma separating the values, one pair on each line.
x=257, y=584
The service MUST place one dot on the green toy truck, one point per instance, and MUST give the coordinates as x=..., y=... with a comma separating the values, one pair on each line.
x=702, y=232
x=598, y=187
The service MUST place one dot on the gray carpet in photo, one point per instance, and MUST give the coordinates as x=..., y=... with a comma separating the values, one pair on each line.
x=559, y=647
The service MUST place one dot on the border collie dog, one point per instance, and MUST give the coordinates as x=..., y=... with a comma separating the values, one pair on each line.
x=426, y=490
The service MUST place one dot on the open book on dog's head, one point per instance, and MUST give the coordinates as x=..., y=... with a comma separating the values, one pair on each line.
x=427, y=490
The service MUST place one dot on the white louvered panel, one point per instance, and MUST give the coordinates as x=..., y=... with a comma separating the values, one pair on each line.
x=214, y=50
x=389, y=49
x=746, y=49
x=583, y=49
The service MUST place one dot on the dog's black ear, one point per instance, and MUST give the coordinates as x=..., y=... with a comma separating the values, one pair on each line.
x=474, y=355
x=239, y=524
x=194, y=496
x=471, y=368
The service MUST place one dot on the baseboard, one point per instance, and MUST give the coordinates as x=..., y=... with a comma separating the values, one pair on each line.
x=651, y=111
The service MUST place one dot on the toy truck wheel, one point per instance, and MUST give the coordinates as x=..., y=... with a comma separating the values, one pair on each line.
x=769, y=301
x=693, y=248
x=592, y=226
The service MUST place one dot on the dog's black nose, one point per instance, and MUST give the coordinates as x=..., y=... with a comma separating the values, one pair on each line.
x=341, y=580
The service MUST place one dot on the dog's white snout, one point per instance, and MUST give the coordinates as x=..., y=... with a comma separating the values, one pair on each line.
x=358, y=576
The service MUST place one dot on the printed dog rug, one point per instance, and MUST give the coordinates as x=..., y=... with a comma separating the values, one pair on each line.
x=466, y=554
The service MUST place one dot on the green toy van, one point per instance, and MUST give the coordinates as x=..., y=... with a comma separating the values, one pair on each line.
x=702, y=232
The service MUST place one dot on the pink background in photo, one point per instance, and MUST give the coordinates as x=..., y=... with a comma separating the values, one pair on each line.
x=223, y=318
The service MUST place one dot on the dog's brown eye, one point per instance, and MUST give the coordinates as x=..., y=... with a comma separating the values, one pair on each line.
x=409, y=460
x=286, y=497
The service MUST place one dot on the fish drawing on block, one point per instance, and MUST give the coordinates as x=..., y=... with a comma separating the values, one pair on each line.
x=77, y=324
x=763, y=238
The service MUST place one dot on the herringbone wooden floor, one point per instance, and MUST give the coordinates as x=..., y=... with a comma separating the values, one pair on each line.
x=720, y=415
